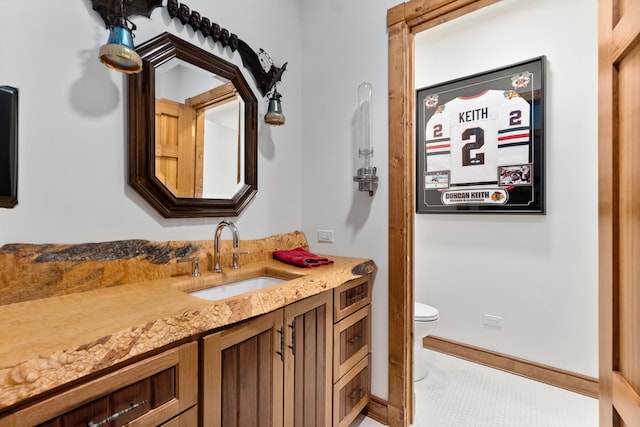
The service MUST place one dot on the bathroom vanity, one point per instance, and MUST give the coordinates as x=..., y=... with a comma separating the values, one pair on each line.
x=149, y=353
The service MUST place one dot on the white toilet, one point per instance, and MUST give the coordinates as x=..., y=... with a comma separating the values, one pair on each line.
x=425, y=319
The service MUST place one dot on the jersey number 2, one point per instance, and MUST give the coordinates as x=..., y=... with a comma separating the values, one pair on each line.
x=467, y=159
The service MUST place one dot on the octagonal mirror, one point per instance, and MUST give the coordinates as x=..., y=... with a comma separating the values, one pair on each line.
x=192, y=131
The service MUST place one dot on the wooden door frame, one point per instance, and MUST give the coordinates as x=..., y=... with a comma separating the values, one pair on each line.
x=403, y=22
x=607, y=211
x=618, y=38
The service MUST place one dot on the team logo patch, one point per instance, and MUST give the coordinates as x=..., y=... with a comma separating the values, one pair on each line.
x=520, y=80
x=431, y=101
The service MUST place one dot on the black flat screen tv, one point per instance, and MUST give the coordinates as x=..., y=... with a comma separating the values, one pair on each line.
x=8, y=146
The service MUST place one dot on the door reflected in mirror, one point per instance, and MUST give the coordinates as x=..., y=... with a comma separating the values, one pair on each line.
x=199, y=123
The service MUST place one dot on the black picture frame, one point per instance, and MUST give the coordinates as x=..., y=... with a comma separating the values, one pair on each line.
x=480, y=142
x=8, y=146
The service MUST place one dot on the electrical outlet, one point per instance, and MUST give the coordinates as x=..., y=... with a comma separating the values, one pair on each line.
x=493, y=321
x=325, y=236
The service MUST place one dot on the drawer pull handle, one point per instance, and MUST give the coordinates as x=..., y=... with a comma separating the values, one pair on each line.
x=356, y=394
x=117, y=414
x=355, y=339
x=357, y=297
x=293, y=338
x=281, y=352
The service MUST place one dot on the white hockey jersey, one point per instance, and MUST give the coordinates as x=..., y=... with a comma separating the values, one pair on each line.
x=471, y=136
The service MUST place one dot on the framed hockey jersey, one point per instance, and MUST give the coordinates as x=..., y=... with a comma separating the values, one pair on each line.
x=480, y=142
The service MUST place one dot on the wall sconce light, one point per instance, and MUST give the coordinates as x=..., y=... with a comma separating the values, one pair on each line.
x=119, y=52
x=366, y=177
x=267, y=77
x=274, y=114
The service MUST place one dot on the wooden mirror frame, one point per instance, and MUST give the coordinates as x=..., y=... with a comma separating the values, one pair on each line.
x=141, y=120
x=403, y=22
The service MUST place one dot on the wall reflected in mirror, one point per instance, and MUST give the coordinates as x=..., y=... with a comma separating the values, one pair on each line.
x=199, y=132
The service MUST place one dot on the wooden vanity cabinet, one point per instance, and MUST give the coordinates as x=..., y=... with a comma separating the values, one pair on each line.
x=273, y=370
x=159, y=390
x=351, y=350
x=307, y=364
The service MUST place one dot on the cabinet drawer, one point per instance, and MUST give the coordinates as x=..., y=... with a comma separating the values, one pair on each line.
x=146, y=393
x=188, y=418
x=351, y=394
x=351, y=341
x=351, y=297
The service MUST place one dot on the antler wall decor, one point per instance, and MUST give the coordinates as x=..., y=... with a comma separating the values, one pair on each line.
x=265, y=79
x=110, y=10
x=266, y=76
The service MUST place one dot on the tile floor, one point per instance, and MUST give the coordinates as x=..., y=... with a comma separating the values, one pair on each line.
x=457, y=393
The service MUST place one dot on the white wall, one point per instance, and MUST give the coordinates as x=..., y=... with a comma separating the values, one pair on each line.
x=345, y=44
x=538, y=272
x=72, y=184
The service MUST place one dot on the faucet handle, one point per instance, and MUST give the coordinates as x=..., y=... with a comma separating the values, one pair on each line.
x=236, y=257
x=195, y=267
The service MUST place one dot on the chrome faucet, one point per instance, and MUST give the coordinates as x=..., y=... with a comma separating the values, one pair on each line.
x=216, y=245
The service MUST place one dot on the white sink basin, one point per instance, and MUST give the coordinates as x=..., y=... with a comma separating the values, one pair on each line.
x=236, y=288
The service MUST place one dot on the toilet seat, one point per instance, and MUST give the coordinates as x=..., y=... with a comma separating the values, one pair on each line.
x=424, y=313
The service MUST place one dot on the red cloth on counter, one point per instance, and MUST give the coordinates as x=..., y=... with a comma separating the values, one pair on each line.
x=301, y=258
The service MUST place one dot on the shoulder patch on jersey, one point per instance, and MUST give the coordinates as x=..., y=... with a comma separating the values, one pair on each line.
x=521, y=80
x=510, y=94
x=431, y=101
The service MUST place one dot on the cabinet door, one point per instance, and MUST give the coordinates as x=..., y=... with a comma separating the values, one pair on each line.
x=308, y=342
x=242, y=374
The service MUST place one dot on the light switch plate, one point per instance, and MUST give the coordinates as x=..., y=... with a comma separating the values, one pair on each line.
x=491, y=320
x=325, y=236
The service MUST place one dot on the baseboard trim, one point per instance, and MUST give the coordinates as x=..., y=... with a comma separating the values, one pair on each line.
x=556, y=377
x=378, y=410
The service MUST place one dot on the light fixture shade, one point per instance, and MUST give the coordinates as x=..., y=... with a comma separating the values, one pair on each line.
x=366, y=177
x=119, y=52
x=274, y=114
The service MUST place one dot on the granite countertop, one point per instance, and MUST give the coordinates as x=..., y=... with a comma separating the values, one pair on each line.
x=48, y=342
